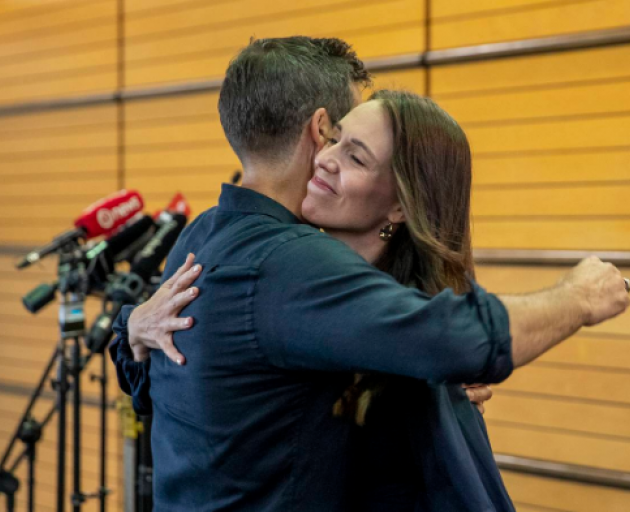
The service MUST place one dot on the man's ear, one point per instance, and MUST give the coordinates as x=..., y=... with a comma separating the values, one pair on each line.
x=396, y=215
x=320, y=128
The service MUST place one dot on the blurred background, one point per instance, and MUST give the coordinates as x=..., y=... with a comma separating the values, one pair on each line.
x=100, y=95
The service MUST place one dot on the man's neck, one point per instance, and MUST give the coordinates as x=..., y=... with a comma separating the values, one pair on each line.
x=284, y=183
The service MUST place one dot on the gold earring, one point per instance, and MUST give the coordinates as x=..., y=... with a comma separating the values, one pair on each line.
x=387, y=232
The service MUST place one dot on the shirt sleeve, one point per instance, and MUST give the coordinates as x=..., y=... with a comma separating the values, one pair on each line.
x=318, y=305
x=133, y=377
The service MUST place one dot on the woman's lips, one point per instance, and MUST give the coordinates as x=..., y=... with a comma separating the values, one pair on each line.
x=322, y=184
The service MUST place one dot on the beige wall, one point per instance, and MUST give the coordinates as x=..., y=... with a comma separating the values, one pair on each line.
x=551, y=141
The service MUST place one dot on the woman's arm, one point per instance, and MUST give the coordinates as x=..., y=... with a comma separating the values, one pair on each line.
x=130, y=355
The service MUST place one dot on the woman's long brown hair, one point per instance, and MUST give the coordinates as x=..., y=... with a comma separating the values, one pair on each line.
x=431, y=250
x=432, y=166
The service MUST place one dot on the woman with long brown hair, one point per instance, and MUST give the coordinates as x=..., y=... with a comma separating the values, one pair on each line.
x=394, y=184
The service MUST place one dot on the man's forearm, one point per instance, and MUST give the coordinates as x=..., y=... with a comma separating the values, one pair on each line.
x=541, y=320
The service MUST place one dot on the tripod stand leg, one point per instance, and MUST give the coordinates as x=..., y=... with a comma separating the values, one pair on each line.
x=77, y=496
x=31, y=478
x=62, y=389
x=103, y=490
x=29, y=407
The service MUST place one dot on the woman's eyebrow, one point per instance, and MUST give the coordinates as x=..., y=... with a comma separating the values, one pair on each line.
x=357, y=142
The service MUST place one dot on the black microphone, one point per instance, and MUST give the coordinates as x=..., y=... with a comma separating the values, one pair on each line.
x=130, y=288
x=148, y=261
x=102, y=257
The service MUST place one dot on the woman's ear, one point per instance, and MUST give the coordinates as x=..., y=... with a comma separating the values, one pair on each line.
x=396, y=216
x=320, y=128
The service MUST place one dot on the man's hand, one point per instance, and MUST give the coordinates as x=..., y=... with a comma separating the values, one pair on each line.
x=151, y=325
x=600, y=287
x=478, y=394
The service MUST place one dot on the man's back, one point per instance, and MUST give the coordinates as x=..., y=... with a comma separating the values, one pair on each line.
x=231, y=430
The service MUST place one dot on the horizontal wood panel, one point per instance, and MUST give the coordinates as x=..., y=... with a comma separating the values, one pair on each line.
x=607, y=421
x=560, y=446
x=12, y=10
x=592, y=349
x=47, y=123
x=158, y=158
x=191, y=130
x=564, y=496
x=480, y=8
x=523, y=72
x=59, y=165
x=577, y=167
x=45, y=19
x=582, y=200
x=549, y=19
x=609, y=131
x=503, y=108
x=29, y=68
x=62, y=43
x=350, y=18
x=31, y=190
x=385, y=27
x=543, y=233
x=201, y=17
x=605, y=386
x=73, y=64
x=413, y=80
x=59, y=87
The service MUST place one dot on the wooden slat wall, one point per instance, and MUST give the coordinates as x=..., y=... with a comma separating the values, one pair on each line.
x=180, y=40
x=551, y=142
x=58, y=48
x=52, y=165
x=551, y=171
x=456, y=23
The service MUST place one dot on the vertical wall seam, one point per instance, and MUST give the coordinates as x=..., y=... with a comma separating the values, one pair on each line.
x=120, y=107
x=427, y=46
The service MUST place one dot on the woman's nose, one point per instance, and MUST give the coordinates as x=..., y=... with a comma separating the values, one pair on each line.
x=326, y=161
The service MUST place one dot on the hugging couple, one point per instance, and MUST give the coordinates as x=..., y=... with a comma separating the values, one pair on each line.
x=311, y=355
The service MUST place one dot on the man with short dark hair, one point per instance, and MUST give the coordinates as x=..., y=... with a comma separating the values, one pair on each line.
x=286, y=314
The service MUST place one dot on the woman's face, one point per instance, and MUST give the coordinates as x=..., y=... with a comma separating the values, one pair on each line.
x=353, y=188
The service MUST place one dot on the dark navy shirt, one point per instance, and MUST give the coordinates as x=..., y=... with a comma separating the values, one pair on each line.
x=425, y=448
x=284, y=317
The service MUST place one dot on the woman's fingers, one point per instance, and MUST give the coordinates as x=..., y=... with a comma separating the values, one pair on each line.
x=182, y=299
x=185, y=279
x=478, y=393
x=185, y=267
x=178, y=324
x=171, y=352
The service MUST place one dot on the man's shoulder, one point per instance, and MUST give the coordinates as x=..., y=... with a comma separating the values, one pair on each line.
x=312, y=249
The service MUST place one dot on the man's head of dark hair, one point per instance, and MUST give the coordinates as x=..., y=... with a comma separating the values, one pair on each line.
x=274, y=86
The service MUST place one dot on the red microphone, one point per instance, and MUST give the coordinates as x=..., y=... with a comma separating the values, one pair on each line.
x=107, y=215
x=101, y=218
x=178, y=204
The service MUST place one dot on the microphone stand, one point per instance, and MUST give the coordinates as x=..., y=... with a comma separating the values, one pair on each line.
x=29, y=432
x=73, y=286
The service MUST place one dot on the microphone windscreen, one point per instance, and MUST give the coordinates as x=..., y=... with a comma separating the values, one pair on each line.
x=158, y=247
x=108, y=214
x=127, y=236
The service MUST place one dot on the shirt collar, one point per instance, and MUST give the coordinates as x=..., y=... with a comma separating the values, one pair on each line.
x=244, y=200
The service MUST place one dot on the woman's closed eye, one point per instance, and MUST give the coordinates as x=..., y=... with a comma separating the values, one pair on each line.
x=356, y=160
